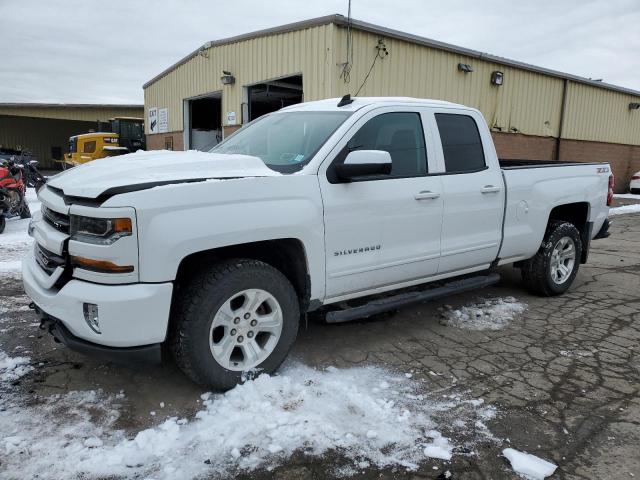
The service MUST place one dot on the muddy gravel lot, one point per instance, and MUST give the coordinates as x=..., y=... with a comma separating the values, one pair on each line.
x=435, y=391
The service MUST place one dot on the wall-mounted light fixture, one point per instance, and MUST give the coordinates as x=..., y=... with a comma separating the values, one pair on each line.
x=497, y=78
x=465, y=67
x=227, y=78
x=634, y=106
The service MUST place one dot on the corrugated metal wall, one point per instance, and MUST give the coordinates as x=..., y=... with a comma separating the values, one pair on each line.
x=601, y=115
x=87, y=114
x=40, y=135
x=528, y=102
x=307, y=51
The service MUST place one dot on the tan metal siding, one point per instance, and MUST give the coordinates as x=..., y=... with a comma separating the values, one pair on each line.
x=307, y=51
x=88, y=114
x=528, y=102
x=601, y=115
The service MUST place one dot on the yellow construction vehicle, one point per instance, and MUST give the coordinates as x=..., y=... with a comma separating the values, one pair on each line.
x=127, y=135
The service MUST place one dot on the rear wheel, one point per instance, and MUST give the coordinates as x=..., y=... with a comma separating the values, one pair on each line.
x=635, y=191
x=237, y=316
x=553, y=269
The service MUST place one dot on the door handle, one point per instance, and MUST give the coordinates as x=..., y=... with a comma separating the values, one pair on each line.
x=426, y=195
x=490, y=189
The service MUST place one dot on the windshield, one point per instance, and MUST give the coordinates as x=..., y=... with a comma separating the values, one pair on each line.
x=285, y=141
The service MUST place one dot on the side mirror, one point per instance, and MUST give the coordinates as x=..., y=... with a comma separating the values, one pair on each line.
x=361, y=163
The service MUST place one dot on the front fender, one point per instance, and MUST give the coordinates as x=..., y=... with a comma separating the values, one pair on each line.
x=176, y=221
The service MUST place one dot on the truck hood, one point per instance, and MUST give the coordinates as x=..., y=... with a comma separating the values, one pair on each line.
x=141, y=170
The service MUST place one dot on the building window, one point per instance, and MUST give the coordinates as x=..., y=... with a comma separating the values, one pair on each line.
x=168, y=143
x=461, y=143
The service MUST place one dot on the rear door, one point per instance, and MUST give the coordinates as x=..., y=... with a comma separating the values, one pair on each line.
x=383, y=230
x=473, y=192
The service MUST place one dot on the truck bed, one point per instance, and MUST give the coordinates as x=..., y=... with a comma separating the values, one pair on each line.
x=509, y=164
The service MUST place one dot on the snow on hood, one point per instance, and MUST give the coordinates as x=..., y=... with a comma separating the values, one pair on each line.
x=160, y=166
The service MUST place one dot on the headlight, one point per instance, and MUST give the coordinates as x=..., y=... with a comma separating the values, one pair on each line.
x=100, y=231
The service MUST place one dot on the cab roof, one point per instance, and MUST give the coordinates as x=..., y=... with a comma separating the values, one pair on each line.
x=331, y=104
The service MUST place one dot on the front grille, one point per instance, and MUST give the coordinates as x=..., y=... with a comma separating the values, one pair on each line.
x=59, y=221
x=47, y=260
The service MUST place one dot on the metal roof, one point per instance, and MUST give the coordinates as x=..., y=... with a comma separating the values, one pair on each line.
x=342, y=21
x=67, y=105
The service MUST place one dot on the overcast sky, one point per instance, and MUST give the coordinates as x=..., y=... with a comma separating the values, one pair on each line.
x=89, y=51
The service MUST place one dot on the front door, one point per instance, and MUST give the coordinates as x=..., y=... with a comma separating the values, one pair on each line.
x=382, y=230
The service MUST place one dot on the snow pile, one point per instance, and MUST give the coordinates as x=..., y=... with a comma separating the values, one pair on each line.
x=634, y=208
x=529, y=466
x=366, y=414
x=492, y=314
x=51, y=431
x=14, y=241
x=12, y=368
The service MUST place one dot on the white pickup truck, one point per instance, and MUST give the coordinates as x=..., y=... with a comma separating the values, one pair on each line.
x=217, y=256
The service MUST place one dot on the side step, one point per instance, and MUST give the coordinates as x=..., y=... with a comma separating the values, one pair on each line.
x=411, y=298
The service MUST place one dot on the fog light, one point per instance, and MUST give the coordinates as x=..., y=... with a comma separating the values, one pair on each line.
x=91, y=316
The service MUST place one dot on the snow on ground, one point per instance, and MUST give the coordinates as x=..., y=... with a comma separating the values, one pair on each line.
x=529, y=466
x=12, y=368
x=367, y=415
x=492, y=314
x=14, y=241
x=634, y=208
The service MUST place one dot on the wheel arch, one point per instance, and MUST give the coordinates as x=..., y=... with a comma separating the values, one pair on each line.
x=288, y=255
x=576, y=213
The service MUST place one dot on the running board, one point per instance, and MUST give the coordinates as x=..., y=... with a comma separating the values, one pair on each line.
x=411, y=298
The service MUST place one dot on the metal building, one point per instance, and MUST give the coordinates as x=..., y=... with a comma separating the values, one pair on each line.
x=533, y=112
x=43, y=129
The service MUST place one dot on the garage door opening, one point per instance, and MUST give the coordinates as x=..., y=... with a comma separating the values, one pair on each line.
x=205, y=122
x=273, y=95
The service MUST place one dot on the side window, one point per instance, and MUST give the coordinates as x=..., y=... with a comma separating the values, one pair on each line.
x=401, y=135
x=89, y=147
x=461, y=143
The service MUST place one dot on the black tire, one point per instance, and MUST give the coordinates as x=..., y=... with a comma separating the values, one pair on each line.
x=635, y=191
x=25, y=212
x=196, y=303
x=3, y=222
x=536, y=272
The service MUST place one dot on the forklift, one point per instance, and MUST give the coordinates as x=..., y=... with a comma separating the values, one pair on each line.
x=126, y=135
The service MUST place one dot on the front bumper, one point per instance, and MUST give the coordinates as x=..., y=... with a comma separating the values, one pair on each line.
x=146, y=354
x=130, y=315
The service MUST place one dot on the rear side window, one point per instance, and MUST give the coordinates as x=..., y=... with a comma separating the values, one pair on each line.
x=461, y=143
x=401, y=135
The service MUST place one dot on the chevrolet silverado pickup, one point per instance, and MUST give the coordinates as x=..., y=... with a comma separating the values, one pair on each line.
x=347, y=206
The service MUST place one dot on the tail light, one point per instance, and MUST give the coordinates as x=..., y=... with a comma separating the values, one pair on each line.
x=612, y=183
x=635, y=177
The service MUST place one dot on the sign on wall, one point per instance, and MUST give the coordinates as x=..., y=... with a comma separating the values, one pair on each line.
x=163, y=120
x=152, y=121
x=231, y=118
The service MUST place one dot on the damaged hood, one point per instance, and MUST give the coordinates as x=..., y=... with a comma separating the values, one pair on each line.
x=140, y=170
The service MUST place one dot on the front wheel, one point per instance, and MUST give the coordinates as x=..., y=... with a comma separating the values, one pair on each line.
x=237, y=316
x=554, y=267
